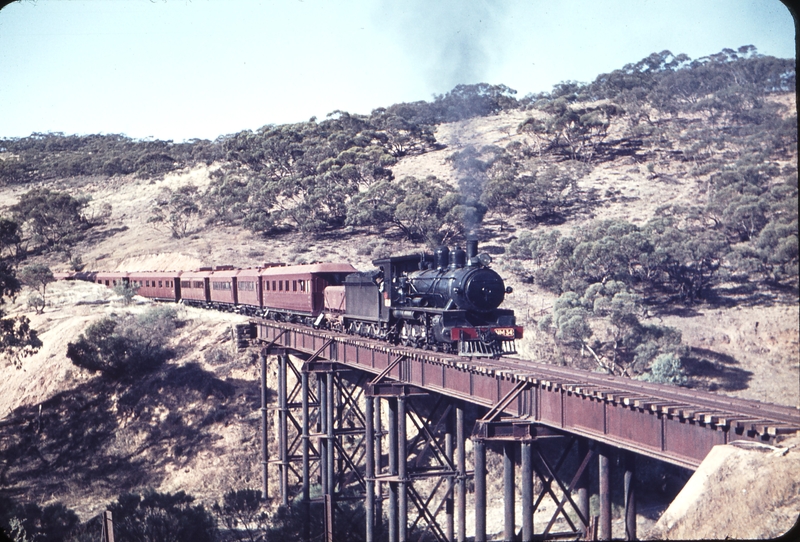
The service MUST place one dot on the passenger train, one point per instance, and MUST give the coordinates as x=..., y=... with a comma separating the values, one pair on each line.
x=447, y=301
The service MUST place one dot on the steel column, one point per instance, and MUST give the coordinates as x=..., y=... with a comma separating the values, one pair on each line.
x=304, y=447
x=527, y=491
x=479, y=452
x=508, y=490
x=393, y=469
x=322, y=393
x=402, y=457
x=283, y=431
x=264, y=425
x=378, y=466
x=305, y=436
x=369, y=460
x=331, y=456
x=604, y=468
x=630, y=495
x=449, y=451
x=582, y=487
x=461, y=466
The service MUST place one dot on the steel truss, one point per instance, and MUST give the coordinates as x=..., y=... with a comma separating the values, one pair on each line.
x=388, y=460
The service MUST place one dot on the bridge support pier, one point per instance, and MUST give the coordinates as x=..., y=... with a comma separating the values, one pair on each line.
x=479, y=452
x=264, y=429
x=604, y=485
x=527, y=491
x=509, y=457
x=461, y=476
x=630, y=495
x=402, y=465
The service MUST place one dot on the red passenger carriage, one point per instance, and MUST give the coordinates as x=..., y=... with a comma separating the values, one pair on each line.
x=299, y=289
x=158, y=285
x=195, y=286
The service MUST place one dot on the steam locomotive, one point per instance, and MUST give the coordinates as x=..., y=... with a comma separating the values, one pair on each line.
x=447, y=301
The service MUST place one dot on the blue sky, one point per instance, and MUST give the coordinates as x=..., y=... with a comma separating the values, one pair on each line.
x=182, y=69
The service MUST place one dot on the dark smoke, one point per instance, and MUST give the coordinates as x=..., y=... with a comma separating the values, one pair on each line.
x=450, y=40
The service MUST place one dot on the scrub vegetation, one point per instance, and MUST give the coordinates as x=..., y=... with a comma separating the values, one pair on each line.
x=712, y=141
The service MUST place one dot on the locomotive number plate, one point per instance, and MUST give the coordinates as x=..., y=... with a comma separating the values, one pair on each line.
x=505, y=331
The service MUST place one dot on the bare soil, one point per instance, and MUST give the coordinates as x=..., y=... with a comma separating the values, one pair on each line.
x=740, y=491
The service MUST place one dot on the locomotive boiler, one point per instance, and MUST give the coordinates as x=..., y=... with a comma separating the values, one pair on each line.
x=446, y=301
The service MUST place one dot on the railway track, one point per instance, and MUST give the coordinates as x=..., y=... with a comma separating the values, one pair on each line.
x=760, y=419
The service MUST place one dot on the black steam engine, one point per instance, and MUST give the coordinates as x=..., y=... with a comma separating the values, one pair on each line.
x=448, y=301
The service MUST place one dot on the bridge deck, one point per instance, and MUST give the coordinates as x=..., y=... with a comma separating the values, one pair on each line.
x=672, y=424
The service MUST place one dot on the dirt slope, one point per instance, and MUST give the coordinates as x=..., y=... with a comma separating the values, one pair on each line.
x=744, y=491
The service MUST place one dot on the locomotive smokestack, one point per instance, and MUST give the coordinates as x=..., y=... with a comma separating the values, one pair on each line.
x=472, y=251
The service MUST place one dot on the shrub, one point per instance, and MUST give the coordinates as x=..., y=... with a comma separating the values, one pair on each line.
x=125, y=346
x=666, y=369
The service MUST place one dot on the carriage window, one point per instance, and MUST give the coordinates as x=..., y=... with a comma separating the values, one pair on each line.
x=280, y=285
x=273, y=286
x=302, y=285
x=294, y=285
x=287, y=285
x=197, y=284
x=247, y=286
x=186, y=284
x=107, y=283
x=266, y=284
x=160, y=284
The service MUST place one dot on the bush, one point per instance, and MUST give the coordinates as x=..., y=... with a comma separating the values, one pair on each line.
x=161, y=516
x=666, y=369
x=125, y=346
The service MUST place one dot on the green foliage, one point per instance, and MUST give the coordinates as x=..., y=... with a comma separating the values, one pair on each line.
x=161, y=516
x=125, y=291
x=37, y=276
x=605, y=321
x=30, y=522
x=666, y=369
x=41, y=157
x=176, y=209
x=243, y=515
x=17, y=339
x=426, y=210
x=125, y=346
x=53, y=218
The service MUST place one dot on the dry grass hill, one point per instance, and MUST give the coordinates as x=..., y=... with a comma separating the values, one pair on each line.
x=193, y=425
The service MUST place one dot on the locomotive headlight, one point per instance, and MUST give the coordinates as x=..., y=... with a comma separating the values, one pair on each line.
x=509, y=289
x=484, y=258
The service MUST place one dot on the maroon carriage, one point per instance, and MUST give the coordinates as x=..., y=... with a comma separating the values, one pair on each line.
x=195, y=286
x=222, y=287
x=110, y=278
x=158, y=285
x=299, y=289
x=248, y=289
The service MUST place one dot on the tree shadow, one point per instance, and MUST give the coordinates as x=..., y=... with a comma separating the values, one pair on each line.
x=95, y=236
x=108, y=434
x=715, y=371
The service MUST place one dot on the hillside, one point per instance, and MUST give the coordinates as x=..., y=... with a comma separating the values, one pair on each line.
x=701, y=187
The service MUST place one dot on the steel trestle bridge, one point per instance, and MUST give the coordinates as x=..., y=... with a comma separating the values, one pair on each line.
x=381, y=434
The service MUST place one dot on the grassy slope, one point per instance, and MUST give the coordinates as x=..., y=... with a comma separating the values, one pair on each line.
x=203, y=440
